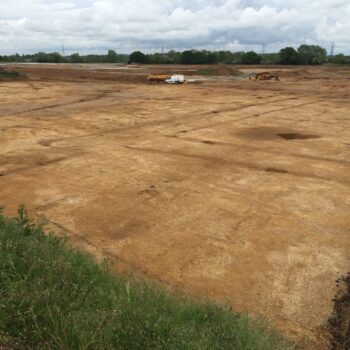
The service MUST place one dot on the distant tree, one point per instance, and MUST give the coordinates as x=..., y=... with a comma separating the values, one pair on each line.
x=174, y=57
x=111, y=57
x=340, y=59
x=312, y=54
x=41, y=57
x=251, y=57
x=211, y=58
x=52, y=57
x=269, y=58
x=223, y=57
x=56, y=57
x=158, y=58
x=94, y=59
x=138, y=57
x=198, y=57
x=187, y=57
x=76, y=58
x=237, y=57
x=289, y=55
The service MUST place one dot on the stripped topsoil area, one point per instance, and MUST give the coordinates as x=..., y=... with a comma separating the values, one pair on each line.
x=230, y=190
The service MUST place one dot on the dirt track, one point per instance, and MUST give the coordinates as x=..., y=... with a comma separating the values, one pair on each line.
x=232, y=190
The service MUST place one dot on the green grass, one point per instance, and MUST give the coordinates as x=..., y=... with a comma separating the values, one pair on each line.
x=55, y=297
x=10, y=74
x=206, y=72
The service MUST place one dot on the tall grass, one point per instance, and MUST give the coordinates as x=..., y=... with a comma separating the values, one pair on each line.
x=55, y=297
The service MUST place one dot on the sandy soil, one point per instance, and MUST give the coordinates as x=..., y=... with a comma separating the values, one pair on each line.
x=237, y=191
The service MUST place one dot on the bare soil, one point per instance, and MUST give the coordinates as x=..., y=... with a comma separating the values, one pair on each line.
x=232, y=190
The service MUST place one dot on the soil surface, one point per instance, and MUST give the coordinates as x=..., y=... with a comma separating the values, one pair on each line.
x=232, y=190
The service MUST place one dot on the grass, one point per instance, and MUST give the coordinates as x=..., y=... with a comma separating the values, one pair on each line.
x=206, y=72
x=10, y=74
x=55, y=297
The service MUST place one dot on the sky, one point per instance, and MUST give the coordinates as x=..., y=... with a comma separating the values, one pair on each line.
x=94, y=26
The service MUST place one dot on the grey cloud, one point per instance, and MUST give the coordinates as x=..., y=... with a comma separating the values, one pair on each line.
x=125, y=25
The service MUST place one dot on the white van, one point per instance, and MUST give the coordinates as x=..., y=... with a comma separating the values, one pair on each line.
x=176, y=79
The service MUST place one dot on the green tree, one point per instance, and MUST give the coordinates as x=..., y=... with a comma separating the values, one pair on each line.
x=76, y=58
x=312, y=54
x=198, y=57
x=251, y=57
x=138, y=57
x=269, y=58
x=158, y=58
x=289, y=55
x=174, y=57
x=340, y=59
x=187, y=57
x=237, y=57
x=111, y=57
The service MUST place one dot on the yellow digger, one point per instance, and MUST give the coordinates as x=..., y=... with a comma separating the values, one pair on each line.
x=264, y=76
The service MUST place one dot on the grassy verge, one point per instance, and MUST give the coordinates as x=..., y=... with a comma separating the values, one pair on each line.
x=55, y=297
x=10, y=75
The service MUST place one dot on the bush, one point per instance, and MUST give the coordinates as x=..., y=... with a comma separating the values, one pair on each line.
x=54, y=297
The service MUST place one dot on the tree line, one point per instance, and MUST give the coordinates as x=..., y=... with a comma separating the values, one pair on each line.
x=304, y=55
x=55, y=57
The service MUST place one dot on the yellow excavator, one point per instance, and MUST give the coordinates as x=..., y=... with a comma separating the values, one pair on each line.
x=264, y=76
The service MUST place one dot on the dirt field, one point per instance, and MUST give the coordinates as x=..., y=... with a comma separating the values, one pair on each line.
x=230, y=189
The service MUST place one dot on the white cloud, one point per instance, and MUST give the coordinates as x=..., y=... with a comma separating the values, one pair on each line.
x=125, y=25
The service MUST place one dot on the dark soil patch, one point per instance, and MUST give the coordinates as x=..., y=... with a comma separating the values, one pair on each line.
x=208, y=142
x=274, y=133
x=297, y=136
x=277, y=171
x=339, y=322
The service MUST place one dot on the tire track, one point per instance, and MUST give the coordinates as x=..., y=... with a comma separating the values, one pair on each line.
x=56, y=105
x=262, y=150
x=224, y=162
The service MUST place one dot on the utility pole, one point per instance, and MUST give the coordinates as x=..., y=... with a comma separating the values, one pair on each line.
x=63, y=52
x=263, y=47
x=332, y=49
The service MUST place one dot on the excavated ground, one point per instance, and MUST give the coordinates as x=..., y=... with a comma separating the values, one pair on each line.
x=231, y=189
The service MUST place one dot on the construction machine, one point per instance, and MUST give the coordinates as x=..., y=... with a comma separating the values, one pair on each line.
x=264, y=76
x=158, y=78
x=166, y=79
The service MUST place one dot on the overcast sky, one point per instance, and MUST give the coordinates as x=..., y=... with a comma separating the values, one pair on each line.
x=28, y=26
